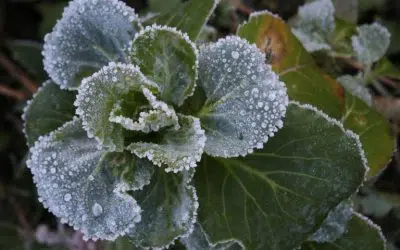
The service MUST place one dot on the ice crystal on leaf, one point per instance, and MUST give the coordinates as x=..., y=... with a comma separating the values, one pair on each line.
x=315, y=24
x=245, y=99
x=90, y=34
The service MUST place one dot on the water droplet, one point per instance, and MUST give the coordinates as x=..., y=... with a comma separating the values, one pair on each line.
x=235, y=54
x=97, y=210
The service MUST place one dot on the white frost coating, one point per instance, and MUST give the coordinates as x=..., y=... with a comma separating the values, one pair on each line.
x=262, y=13
x=373, y=225
x=161, y=116
x=179, y=149
x=97, y=96
x=355, y=85
x=160, y=55
x=245, y=103
x=340, y=125
x=315, y=24
x=90, y=34
x=371, y=43
x=73, y=182
x=335, y=224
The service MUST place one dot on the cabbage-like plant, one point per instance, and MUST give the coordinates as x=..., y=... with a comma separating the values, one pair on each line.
x=143, y=133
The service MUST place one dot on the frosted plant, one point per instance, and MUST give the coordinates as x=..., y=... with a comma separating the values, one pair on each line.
x=124, y=135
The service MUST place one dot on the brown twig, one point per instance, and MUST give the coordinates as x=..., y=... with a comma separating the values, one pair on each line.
x=12, y=93
x=18, y=74
x=20, y=215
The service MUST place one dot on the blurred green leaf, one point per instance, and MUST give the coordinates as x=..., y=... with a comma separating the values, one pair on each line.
x=51, y=11
x=346, y=10
x=385, y=68
x=29, y=55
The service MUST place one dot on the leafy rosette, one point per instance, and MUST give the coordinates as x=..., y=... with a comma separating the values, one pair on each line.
x=118, y=156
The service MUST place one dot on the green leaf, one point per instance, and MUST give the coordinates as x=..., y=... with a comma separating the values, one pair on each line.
x=89, y=35
x=29, y=55
x=178, y=150
x=341, y=40
x=361, y=234
x=306, y=84
x=51, y=12
x=75, y=182
x=371, y=43
x=356, y=86
x=335, y=223
x=315, y=24
x=99, y=96
x=189, y=16
x=49, y=109
x=276, y=197
x=169, y=58
x=385, y=68
x=198, y=240
x=122, y=243
x=245, y=101
x=169, y=206
x=346, y=10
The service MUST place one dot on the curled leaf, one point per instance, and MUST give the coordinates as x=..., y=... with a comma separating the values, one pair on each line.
x=245, y=101
x=179, y=149
x=90, y=34
x=106, y=95
x=168, y=57
x=76, y=183
x=315, y=24
x=169, y=206
x=371, y=43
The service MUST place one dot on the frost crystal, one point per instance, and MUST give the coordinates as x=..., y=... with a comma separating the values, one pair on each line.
x=179, y=149
x=245, y=99
x=73, y=181
x=90, y=34
x=371, y=43
x=315, y=24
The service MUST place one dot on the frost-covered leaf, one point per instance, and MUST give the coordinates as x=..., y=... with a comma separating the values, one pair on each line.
x=169, y=58
x=315, y=24
x=198, y=240
x=106, y=98
x=276, y=197
x=356, y=86
x=169, y=207
x=306, y=84
x=371, y=43
x=160, y=115
x=90, y=34
x=361, y=233
x=188, y=16
x=335, y=224
x=75, y=182
x=49, y=109
x=245, y=100
x=178, y=150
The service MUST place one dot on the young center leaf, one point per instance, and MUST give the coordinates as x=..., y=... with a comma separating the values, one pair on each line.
x=75, y=181
x=356, y=86
x=90, y=34
x=169, y=206
x=110, y=101
x=371, y=43
x=245, y=101
x=179, y=149
x=49, y=109
x=360, y=233
x=275, y=198
x=169, y=58
x=315, y=24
